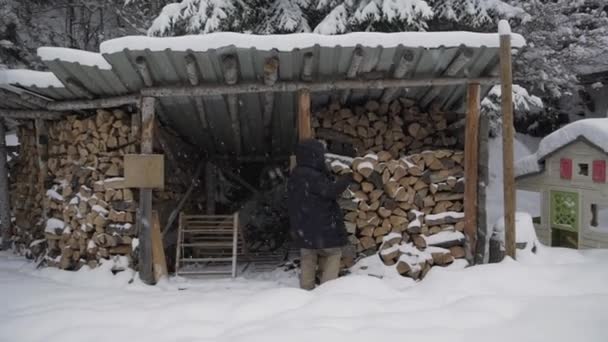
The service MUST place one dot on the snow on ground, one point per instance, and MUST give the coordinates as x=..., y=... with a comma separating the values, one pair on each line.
x=558, y=295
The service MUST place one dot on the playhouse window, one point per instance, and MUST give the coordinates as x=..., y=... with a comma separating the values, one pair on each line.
x=599, y=217
x=583, y=169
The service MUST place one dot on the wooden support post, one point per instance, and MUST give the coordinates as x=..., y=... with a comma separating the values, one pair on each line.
x=210, y=186
x=42, y=141
x=145, y=195
x=483, y=231
x=304, y=119
x=508, y=133
x=5, y=205
x=471, y=144
x=158, y=251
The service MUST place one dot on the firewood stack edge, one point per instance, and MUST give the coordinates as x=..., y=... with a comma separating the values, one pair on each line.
x=90, y=214
x=406, y=202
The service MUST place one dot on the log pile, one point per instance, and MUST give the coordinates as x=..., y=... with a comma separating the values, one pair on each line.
x=89, y=212
x=407, y=209
x=394, y=127
x=26, y=197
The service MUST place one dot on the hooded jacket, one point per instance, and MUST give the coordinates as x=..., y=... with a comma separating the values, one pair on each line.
x=315, y=217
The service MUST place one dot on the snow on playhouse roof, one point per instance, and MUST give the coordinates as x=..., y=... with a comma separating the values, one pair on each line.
x=593, y=130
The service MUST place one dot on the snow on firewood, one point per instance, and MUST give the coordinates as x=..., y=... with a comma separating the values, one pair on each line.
x=100, y=210
x=445, y=239
x=53, y=194
x=444, y=218
x=54, y=226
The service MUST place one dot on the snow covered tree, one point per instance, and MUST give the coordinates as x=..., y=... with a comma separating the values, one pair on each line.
x=390, y=15
x=199, y=16
x=476, y=15
x=286, y=16
x=565, y=39
x=526, y=109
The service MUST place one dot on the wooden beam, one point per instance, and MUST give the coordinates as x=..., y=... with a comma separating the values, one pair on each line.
x=460, y=62
x=30, y=114
x=108, y=102
x=293, y=86
x=403, y=67
x=353, y=69
x=307, y=67
x=144, y=71
x=304, y=118
x=508, y=133
x=239, y=180
x=271, y=75
x=471, y=144
x=194, y=79
x=10, y=97
x=158, y=250
x=458, y=65
x=80, y=89
x=210, y=187
x=483, y=231
x=191, y=69
x=145, y=195
x=231, y=69
x=231, y=77
x=42, y=148
x=180, y=205
x=5, y=204
x=35, y=101
x=233, y=111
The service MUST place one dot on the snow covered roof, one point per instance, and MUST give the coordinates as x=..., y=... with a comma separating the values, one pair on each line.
x=289, y=42
x=29, y=78
x=117, y=70
x=595, y=131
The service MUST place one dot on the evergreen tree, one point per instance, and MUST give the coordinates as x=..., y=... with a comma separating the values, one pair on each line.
x=286, y=16
x=199, y=16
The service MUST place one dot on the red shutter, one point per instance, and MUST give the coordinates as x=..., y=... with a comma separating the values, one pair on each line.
x=565, y=168
x=599, y=171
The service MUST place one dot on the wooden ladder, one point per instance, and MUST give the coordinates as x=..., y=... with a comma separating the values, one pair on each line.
x=209, y=240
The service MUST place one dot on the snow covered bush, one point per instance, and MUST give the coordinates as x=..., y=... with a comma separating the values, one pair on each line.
x=526, y=108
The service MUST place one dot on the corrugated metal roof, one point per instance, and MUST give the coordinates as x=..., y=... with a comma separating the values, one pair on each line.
x=168, y=67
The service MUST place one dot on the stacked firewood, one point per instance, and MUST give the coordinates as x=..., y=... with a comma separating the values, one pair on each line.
x=414, y=202
x=91, y=215
x=396, y=127
x=26, y=197
x=83, y=211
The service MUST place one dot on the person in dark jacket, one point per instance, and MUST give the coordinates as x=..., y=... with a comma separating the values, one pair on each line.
x=317, y=224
